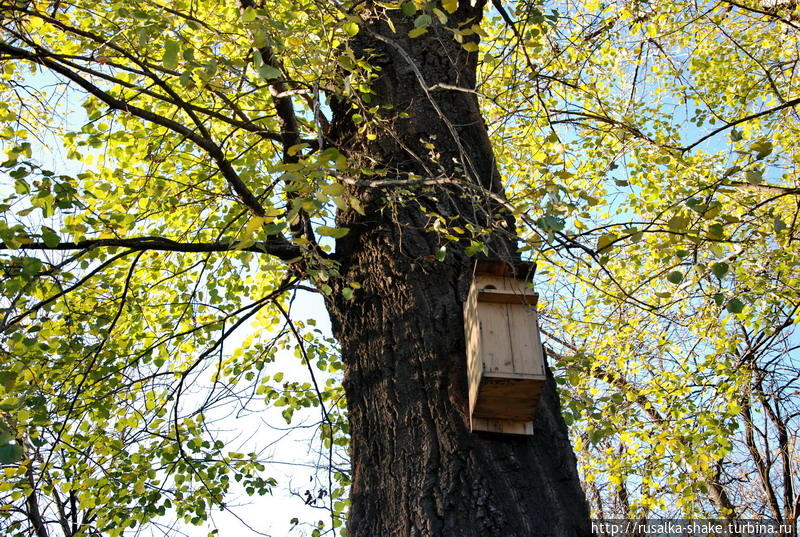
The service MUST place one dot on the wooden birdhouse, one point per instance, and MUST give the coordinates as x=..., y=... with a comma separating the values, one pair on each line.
x=505, y=364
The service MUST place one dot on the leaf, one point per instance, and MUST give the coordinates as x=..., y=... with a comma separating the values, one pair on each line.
x=253, y=225
x=605, y=241
x=335, y=232
x=11, y=453
x=269, y=73
x=762, y=148
x=550, y=223
x=8, y=379
x=715, y=231
x=249, y=14
x=754, y=177
x=416, y=32
x=678, y=223
x=735, y=306
x=293, y=150
x=409, y=9
x=470, y=46
x=732, y=170
x=171, y=50
x=49, y=237
x=423, y=21
x=719, y=269
x=333, y=189
x=675, y=277
x=450, y=5
x=736, y=135
x=350, y=28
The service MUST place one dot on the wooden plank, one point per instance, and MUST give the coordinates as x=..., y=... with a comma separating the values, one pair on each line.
x=526, y=347
x=537, y=336
x=503, y=426
x=495, y=348
x=489, y=281
x=521, y=297
x=511, y=375
x=512, y=399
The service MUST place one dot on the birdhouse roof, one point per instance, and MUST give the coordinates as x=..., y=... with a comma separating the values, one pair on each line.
x=520, y=270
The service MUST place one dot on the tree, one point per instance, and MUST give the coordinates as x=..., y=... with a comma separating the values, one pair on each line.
x=394, y=287
x=232, y=153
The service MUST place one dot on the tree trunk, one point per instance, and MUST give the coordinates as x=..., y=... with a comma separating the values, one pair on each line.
x=417, y=468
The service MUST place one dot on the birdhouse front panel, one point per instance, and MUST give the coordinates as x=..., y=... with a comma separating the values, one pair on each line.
x=504, y=352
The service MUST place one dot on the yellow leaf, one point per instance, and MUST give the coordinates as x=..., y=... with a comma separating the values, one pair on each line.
x=450, y=5
x=253, y=225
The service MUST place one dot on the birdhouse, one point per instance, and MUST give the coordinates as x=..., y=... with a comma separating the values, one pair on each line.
x=505, y=364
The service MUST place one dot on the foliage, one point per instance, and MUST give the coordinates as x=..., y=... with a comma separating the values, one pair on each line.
x=649, y=152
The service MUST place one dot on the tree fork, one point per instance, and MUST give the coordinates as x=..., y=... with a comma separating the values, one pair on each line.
x=417, y=468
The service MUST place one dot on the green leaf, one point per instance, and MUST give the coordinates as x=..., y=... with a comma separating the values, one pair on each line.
x=719, y=269
x=350, y=28
x=762, y=148
x=715, y=231
x=249, y=14
x=171, y=50
x=8, y=379
x=675, y=277
x=550, y=223
x=678, y=223
x=269, y=73
x=754, y=177
x=409, y=9
x=49, y=237
x=416, y=32
x=736, y=135
x=11, y=453
x=423, y=21
x=335, y=232
x=735, y=306
x=732, y=170
x=605, y=241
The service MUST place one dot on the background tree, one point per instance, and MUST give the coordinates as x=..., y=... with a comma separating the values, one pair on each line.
x=228, y=154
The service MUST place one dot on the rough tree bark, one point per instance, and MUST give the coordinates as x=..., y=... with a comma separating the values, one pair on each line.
x=417, y=469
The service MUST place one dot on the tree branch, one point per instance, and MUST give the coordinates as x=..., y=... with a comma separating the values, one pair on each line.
x=45, y=59
x=787, y=104
x=281, y=249
x=287, y=119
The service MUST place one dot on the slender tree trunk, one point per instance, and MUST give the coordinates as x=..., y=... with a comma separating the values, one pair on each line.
x=417, y=468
